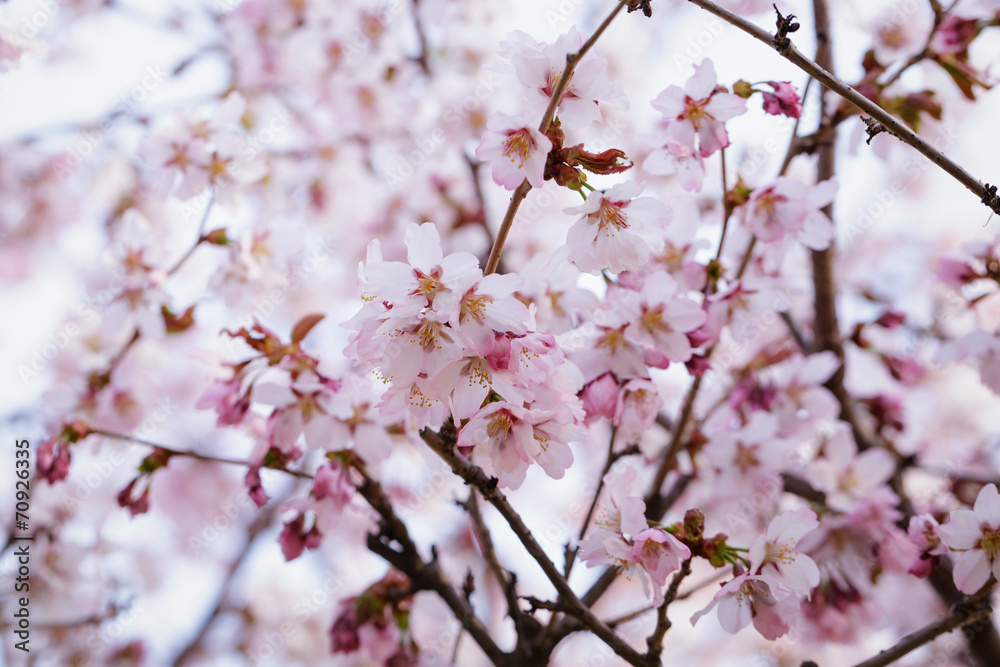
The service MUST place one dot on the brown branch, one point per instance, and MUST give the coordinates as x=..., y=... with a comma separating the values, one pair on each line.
x=793, y=329
x=895, y=126
x=471, y=505
x=188, y=453
x=654, y=643
x=443, y=444
x=803, y=489
x=423, y=575
x=572, y=59
x=973, y=609
x=609, y=461
x=418, y=26
x=528, y=628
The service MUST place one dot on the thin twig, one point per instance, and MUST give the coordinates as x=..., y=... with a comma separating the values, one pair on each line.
x=609, y=461
x=895, y=126
x=727, y=208
x=201, y=236
x=976, y=608
x=260, y=524
x=188, y=453
x=654, y=642
x=572, y=59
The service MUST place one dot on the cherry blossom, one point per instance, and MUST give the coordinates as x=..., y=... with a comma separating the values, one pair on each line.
x=848, y=476
x=619, y=229
x=790, y=207
x=923, y=531
x=778, y=563
x=783, y=101
x=747, y=598
x=518, y=151
x=976, y=534
x=276, y=337
x=539, y=66
x=672, y=157
x=661, y=317
x=699, y=111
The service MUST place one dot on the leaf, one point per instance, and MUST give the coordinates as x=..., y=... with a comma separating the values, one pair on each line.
x=177, y=323
x=304, y=326
x=963, y=75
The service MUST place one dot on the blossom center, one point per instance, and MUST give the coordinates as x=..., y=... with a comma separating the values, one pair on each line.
x=694, y=111
x=520, y=145
x=990, y=543
x=652, y=320
x=612, y=215
x=778, y=553
x=746, y=457
x=612, y=339
x=499, y=427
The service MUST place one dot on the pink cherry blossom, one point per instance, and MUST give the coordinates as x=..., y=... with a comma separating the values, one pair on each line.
x=539, y=66
x=699, y=111
x=518, y=150
x=776, y=559
x=658, y=553
x=636, y=408
x=790, y=207
x=783, y=101
x=954, y=34
x=601, y=397
x=661, y=317
x=923, y=531
x=619, y=229
x=747, y=598
x=847, y=476
x=976, y=534
x=620, y=519
x=503, y=433
x=672, y=157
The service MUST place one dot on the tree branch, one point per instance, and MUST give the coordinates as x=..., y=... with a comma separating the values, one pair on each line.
x=892, y=124
x=444, y=445
x=971, y=610
x=423, y=575
x=572, y=59
x=655, y=641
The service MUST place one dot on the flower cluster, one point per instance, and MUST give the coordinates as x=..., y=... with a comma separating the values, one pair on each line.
x=518, y=149
x=622, y=537
x=778, y=577
x=451, y=342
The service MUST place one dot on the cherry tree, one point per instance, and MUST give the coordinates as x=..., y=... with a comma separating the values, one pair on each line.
x=516, y=334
